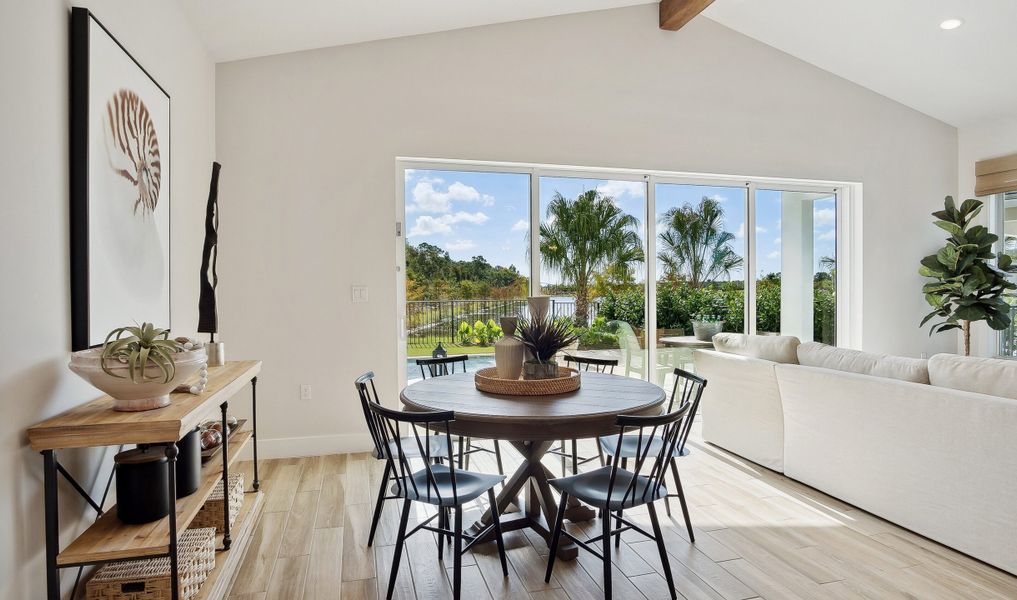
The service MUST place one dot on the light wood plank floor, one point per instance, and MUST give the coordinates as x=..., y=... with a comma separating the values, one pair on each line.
x=758, y=535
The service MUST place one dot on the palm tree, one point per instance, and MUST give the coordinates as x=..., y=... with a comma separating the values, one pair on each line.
x=583, y=237
x=694, y=246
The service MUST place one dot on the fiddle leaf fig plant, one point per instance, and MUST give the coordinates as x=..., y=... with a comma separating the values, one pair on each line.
x=966, y=286
x=138, y=347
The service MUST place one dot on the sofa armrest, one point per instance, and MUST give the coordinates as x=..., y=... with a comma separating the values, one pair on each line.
x=741, y=406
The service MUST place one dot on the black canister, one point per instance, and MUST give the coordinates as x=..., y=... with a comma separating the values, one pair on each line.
x=188, y=464
x=142, y=485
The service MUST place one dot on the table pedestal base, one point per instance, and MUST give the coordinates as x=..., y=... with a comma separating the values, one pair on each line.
x=539, y=507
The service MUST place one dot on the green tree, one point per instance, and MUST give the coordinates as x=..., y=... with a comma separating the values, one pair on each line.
x=694, y=246
x=585, y=236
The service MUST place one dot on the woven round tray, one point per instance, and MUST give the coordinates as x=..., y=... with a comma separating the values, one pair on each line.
x=487, y=381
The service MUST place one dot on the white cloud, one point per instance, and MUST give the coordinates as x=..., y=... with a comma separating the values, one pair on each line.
x=776, y=241
x=773, y=255
x=741, y=230
x=824, y=217
x=521, y=225
x=460, y=245
x=617, y=189
x=718, y=198
x=408, y=174
x=827, y=236
x=428, y=225
x=760, y=229
x=430, y=199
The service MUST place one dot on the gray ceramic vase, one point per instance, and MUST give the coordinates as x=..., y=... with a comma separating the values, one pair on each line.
x=509, y=351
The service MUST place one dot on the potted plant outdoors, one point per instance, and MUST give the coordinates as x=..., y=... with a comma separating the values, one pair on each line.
x=706, y=325
x=966, y=285
x=543, y=338
x=138, y=366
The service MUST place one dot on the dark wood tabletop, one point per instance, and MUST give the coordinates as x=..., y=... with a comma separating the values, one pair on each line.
x=590, y=411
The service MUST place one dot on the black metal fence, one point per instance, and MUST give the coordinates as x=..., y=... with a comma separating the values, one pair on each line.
x=431, y=321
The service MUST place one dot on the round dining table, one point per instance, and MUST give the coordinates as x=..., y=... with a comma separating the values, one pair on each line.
x=532, y=424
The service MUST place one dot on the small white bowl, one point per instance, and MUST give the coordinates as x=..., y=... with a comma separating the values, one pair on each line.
x=127, y=395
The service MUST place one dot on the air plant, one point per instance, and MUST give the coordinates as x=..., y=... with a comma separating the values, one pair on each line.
x=138, y=347
x=545, y=337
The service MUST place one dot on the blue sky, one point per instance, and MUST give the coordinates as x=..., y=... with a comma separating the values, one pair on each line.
x=486, y=214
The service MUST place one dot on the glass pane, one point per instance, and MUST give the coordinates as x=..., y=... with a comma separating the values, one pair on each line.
x=593, y=246
x=1008, y=245
x=796, y=262
x=700, y=268
x=467, y=261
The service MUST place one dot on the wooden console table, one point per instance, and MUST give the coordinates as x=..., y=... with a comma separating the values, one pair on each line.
x=96, y=424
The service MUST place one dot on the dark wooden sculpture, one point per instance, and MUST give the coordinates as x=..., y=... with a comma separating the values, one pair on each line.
x=208, y=318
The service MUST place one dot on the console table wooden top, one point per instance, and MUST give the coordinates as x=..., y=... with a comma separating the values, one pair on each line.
x=95, y=423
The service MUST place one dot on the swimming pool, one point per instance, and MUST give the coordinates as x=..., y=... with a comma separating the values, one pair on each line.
x=475, y=363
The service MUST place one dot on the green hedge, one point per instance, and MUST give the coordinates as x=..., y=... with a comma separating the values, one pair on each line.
x=677, y=303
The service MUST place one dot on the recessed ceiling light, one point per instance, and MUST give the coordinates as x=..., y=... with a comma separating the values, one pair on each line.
x=951, y=24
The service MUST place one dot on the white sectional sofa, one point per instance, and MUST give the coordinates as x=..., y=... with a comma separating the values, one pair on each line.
x=929, y=445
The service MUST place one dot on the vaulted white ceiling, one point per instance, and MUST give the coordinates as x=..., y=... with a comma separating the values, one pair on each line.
x=236, y=29
x=894, y=47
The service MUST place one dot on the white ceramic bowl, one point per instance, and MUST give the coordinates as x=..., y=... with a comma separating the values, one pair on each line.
x=130, y=396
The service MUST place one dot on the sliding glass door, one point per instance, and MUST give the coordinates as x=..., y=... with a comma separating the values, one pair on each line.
x=700, y=266
x=592, y=255
x=466, y=261
x=796, y=264
x=738, y=256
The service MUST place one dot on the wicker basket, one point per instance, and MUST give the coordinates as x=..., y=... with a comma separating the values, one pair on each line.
x=211, y=514
x=149, y=579
x=568, y=380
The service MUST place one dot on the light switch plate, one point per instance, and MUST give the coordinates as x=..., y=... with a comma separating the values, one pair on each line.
x=359, y=293
x=305, y=391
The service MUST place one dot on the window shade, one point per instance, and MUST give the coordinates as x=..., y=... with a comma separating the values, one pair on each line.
x=996, y=175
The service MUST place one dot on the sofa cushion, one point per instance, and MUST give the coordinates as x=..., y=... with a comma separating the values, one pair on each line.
x=991, y=376
x=776, y=348
x=815, y=354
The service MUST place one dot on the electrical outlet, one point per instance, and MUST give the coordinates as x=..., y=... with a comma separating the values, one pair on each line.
x=305, y=391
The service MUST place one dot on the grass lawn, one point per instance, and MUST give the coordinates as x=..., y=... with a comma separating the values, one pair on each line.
x=415, y=351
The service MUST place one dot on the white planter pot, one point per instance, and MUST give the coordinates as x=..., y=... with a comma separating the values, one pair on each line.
x=127, y=395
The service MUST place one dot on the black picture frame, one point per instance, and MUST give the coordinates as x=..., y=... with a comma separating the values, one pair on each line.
x=81, y=130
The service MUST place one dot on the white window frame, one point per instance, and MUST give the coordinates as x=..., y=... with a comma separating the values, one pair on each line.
x=848, y=247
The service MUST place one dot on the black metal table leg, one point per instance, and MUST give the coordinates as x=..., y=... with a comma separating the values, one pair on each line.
x=226, y=540
x=52, y=524
x=171, y=454
x=254, y=430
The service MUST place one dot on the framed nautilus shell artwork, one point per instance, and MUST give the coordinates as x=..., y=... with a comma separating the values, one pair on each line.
x=120, y=187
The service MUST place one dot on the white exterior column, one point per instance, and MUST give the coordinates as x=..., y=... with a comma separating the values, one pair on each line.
x=797, y=265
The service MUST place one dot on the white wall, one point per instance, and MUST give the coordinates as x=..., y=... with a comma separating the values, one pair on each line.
x=308, y=142
x=34, y=264
x=988, y=139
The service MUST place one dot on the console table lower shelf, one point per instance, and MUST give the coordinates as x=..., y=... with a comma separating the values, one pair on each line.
x=227, y=562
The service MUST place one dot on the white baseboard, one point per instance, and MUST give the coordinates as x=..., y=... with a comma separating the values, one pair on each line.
x=311, y=446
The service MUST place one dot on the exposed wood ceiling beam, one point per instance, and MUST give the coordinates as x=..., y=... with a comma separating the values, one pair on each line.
x=674, y=14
